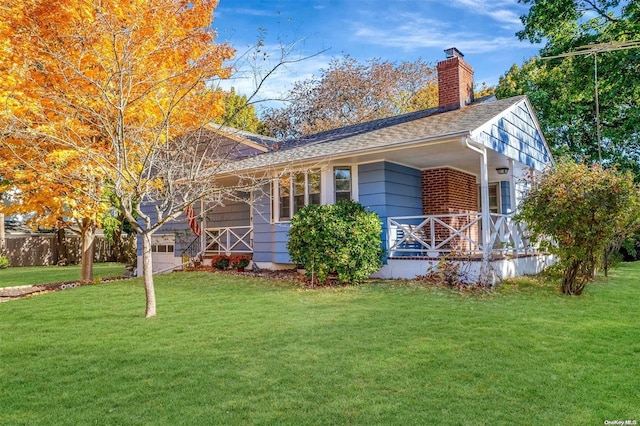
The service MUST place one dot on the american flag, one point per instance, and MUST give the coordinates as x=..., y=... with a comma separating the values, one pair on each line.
x=193, y=223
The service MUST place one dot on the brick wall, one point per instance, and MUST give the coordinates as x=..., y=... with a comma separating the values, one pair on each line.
x=450, y=191
x=455, y=83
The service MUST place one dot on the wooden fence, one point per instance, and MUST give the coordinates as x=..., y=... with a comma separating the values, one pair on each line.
x=44, y=249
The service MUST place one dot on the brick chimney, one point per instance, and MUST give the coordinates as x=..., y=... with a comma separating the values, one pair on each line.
x=455, y=81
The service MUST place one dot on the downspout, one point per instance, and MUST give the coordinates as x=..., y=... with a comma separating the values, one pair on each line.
x=485, y=214
x=514, y=205
x=512, y=186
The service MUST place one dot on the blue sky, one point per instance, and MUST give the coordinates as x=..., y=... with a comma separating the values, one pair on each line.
x=394, y=30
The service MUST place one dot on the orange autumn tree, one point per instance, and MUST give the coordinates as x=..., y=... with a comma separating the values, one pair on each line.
x=125, y=86
x=57, y=189
x=43, y=172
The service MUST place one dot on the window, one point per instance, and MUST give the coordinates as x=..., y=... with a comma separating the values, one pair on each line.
x=285, y=197
x=494, y=206
x=342, y=183
x=313, y=187
x=493, y=199
x=162, y=248
x=296, y=191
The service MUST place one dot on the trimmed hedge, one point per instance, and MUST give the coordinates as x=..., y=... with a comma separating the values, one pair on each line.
x=342, y=239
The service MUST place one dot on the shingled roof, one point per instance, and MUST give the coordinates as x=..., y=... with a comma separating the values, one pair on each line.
x=421, y=126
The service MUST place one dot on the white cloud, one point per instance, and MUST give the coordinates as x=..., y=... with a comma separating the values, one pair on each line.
x=248, y=11
x=505, y=12
x=411, y=37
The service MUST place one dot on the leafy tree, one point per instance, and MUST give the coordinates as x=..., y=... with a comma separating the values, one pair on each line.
x=121, y=87
x=483, y=90
x=240, y=114
x=584, y=210
x=125, y=88
x=562, y=90
x=341, y=238
x=57, y=186
x=349, y=92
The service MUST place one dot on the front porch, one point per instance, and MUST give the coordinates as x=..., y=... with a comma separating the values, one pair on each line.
x=221, y=240
x=435, y=236
x=417, y=245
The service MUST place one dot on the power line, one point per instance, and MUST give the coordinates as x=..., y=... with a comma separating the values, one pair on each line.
x=594, y=49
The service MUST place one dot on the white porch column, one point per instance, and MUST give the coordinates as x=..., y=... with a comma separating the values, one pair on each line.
x=485, y=213
x=512, y=185
x=484, y=195
x=514, y=204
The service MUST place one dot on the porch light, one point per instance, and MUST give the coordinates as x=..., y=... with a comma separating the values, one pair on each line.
x=502, y=170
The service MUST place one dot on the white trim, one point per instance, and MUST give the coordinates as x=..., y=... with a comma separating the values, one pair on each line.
x=355, y=185
x=467, y=172
x=272, y=266
x=512, y=185
x=500, y=269
x=276, y=190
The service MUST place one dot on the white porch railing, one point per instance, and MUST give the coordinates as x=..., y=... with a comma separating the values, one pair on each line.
x=438, y=235
x=235, y=239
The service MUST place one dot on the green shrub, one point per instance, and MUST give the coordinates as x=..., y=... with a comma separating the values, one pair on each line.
x=4, y=262
x=585, y=210
x=342, y=239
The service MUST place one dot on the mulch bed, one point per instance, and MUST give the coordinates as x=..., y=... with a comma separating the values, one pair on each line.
x=284, y=274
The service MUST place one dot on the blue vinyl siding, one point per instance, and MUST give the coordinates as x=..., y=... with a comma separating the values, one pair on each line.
x=269, y=239
x=232, y=213
x=515, y=134
x=179, y=228
x=390, y=190
x=385, y=188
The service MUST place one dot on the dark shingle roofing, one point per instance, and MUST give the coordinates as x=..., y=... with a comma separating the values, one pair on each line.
x=355, y=129
x=265, y=141
x=420, y=126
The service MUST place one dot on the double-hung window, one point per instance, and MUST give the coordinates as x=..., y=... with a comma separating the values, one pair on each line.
x=342, y=183
x=297, y=190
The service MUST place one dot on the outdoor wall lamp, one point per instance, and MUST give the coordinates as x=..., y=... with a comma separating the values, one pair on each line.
x=502, y=170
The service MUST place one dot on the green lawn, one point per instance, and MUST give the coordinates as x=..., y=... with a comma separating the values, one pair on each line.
x=232, y=350
x=29, y=275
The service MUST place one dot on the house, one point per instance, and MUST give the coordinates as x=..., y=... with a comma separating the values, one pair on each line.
x=444, y=181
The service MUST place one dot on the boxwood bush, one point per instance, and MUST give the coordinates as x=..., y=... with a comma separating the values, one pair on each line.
x=342, y=239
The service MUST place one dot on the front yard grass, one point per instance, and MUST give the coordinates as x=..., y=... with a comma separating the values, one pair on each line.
x=31, y=275
x=235, y=350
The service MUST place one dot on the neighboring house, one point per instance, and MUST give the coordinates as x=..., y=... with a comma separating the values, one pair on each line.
x=443, y=180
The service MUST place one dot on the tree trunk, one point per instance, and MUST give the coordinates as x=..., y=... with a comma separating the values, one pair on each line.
x=147, y=272
x=87, y=233
x=2, y=243
x=569, y=277
x=62, y=250
x=117, y=246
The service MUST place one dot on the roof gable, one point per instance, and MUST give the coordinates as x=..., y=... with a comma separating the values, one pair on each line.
x=516, y=133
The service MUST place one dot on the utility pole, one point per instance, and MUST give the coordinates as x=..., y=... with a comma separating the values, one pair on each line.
x=594, y=49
